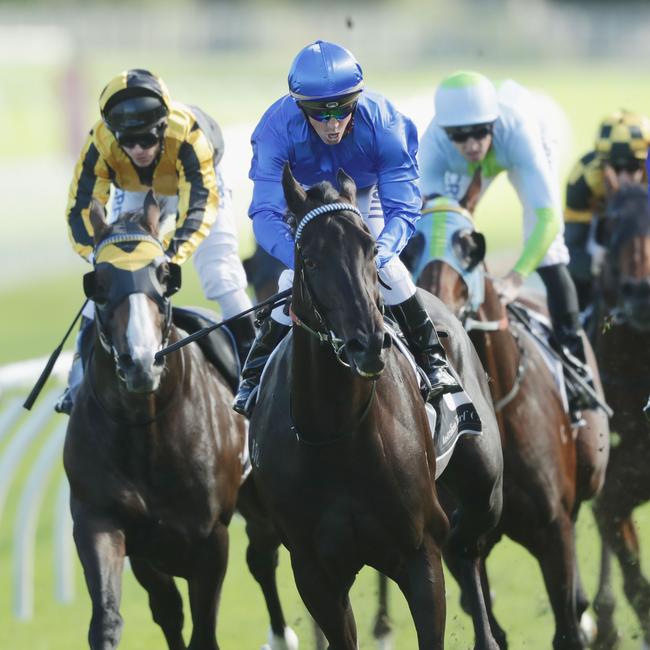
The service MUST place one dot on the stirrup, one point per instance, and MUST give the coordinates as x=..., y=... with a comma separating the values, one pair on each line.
x=64, y=404
x=246, y=408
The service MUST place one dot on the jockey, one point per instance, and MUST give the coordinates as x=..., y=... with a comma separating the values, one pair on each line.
x=477, y=128
x=328, y=122
x=621, y=145
x=144, y=140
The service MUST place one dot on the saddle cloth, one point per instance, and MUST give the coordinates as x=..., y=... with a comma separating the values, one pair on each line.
x=453, y=415
x=541, y=326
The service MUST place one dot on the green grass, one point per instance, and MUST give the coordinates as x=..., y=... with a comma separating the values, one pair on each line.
x=40, y=290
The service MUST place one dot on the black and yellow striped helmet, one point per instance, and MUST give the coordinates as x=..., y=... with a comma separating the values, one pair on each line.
x=134, y=100
x=623, y=136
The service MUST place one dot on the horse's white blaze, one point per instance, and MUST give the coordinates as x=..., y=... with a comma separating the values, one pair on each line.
x=141, y=330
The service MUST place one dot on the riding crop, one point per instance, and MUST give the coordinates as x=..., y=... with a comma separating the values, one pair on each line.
x=276, y=299
x=47, y=371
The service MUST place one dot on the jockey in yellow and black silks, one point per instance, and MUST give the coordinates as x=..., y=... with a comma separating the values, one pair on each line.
x=145, y=141
x=622, y=144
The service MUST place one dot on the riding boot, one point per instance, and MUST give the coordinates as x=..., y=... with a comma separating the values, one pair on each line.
x=75, y=376
x=243, y=329
x=268, y=337
x=423, y=341
x=573, y=352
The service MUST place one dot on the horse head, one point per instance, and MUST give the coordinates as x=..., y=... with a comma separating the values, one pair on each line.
x=624, y=231
x=131, y=284
x=336, y=290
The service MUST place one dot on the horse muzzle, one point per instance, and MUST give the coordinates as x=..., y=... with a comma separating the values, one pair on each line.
x=367, y=359
x=139, y=376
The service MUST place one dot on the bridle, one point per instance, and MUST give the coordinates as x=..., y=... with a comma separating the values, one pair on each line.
x=134, y=281
x=323, y=332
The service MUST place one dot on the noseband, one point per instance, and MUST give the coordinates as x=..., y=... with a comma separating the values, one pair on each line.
x=324, y=333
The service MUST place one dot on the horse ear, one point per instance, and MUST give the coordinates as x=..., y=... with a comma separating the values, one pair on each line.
x=294, y=193
x=611, y=180
x=151, y=219
x=98, y=220
x=347, y=187
x=473, y=192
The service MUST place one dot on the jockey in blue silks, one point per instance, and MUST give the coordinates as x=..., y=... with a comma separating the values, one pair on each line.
x=328, y=122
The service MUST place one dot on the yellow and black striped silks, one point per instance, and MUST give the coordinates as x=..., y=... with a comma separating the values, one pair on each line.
x=184, y=168
x=585, y=192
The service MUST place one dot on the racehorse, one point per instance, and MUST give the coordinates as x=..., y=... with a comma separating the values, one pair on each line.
x=622, y=346
x=340, y=444
x=153, y=453
x=549, y=469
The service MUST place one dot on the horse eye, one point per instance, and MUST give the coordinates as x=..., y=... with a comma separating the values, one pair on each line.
x=309, y=263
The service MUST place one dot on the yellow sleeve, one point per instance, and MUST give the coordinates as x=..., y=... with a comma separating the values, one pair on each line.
x=91, y=179
x=197, y=196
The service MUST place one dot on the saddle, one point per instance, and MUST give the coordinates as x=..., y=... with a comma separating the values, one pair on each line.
x=218, y=346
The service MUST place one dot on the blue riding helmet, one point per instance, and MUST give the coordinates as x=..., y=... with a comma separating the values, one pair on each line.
x=324, y=70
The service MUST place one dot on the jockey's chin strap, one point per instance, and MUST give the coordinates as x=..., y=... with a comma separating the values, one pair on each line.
x=324, y=333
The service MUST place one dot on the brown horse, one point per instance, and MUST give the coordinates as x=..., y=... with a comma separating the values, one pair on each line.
x=340, y=443
x=549, y=469
x=622, y=346
x=154, y=453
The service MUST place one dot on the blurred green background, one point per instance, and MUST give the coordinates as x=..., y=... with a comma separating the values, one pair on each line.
x=232, y=60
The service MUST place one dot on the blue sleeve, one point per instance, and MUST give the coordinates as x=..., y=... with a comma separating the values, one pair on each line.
x=268, y=204
x=398, y=172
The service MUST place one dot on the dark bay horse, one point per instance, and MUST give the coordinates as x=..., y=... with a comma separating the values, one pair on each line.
x=154, y=453
x=622, y=346
x=340, y=444
x=549, y=469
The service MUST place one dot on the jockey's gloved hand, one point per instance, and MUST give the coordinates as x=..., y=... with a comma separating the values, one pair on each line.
x=508, y=286
x=392, y=240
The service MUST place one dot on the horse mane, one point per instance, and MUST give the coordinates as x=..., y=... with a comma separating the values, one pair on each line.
x=630, y=214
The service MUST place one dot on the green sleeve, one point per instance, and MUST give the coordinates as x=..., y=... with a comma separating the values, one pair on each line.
x=546, y=229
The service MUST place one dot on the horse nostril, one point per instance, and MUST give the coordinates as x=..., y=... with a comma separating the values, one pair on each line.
x=388, y=341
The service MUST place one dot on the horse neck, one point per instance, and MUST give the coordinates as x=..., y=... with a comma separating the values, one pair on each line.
x=327, y=398
x=110, y=392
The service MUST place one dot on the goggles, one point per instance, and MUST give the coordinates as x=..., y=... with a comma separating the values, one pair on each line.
x=461, y=134
x=146, y=139
x=330, y=110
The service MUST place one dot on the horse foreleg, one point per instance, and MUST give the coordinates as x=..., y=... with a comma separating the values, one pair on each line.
x=204, y=587
x=382, y=628
x=165, y=601
x=604, y=603
x=327, y=601
x=262, y=560
x=101, y=548
x=555, y=552
x=422, y=583
x=497, y=631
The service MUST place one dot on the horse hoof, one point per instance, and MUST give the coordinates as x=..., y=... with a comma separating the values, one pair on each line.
x=589, y=628
x=288, y=642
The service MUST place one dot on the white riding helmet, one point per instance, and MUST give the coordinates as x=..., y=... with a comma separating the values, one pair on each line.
x=466, y=98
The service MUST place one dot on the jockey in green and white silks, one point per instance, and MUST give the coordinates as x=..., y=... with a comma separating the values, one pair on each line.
x=477, y=127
